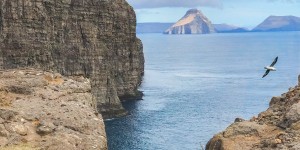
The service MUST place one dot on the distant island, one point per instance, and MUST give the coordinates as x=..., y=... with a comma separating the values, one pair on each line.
x=152, y=27
x=279, y=23
x=158, y=27
x=225, y=28
x=195, y=22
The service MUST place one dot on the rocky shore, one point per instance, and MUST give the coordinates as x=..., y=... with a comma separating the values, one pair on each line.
x=43, y=110
x=276, y=128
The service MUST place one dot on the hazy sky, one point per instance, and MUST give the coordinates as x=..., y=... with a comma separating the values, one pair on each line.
x=244, y=13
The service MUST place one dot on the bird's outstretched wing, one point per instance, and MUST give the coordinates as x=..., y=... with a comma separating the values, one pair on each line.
x=266, y=73
x=274, y=62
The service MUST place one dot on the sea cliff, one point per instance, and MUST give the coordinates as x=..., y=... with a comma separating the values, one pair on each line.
x=276, y=128
x=91, y=38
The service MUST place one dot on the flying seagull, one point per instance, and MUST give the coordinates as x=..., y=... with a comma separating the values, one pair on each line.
x=271, y=68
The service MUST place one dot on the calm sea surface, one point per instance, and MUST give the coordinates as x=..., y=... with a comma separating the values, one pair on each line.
x=196, y=85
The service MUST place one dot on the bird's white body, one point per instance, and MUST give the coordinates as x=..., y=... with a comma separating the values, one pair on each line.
x=270, y=68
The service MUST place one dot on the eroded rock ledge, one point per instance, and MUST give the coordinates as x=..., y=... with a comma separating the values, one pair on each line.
x=43, y=110
x=92, y=38
x=276, y=128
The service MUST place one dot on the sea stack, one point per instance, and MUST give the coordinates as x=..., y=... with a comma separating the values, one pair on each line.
x=193, y=22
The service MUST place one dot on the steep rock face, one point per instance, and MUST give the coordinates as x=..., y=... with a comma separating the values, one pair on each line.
x=193, y=22
x=279, y=23
x=93, y=38
x=42, y=110
x=276, y=128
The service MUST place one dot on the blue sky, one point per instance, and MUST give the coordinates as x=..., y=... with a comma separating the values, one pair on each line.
x=243, y=13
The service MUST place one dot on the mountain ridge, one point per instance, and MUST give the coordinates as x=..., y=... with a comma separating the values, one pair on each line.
x=152, y=27
x=226, y=28
x=279, y=23
x=284, y=23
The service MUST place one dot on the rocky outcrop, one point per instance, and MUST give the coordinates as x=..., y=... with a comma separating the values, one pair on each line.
x=279, y=23
x=193, y=22
x=42, y=110
x=92, y=38
x=276, y=128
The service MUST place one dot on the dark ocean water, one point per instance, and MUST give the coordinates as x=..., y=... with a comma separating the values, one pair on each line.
x=196, y=85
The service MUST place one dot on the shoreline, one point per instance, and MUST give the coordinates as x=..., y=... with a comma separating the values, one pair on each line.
x=276, y=128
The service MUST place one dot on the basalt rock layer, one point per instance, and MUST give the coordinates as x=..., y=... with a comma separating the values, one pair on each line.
x=93, y=38
x=43, y=110
x=276, y=128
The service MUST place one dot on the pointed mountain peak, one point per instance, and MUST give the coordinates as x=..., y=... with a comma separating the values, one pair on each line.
x=193, y=22
x=193, y=11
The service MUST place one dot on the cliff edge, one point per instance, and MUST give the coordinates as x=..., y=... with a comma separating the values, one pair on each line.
x=276, y=128
x=92, y=38
x=43, y=110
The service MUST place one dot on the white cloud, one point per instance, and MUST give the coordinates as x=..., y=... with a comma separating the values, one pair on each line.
x=139, y=4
